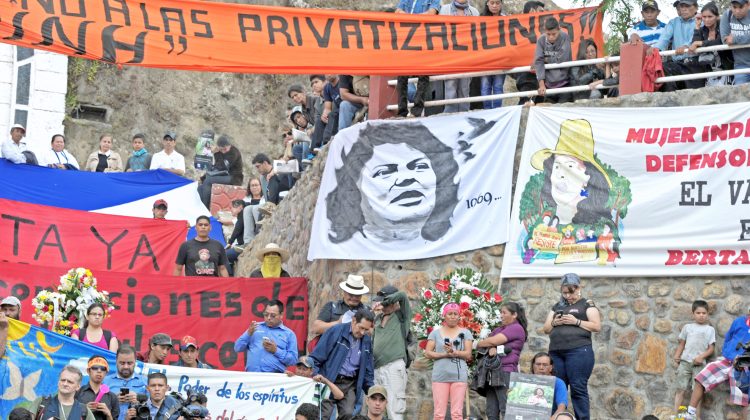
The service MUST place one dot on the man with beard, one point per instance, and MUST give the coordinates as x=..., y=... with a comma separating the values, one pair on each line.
x=124, y=378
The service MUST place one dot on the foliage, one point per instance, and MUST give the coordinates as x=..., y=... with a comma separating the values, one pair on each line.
x=620, y=14
x=63, y=310
x=480, y=308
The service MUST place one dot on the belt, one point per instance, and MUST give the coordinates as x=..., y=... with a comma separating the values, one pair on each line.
x=344, y=378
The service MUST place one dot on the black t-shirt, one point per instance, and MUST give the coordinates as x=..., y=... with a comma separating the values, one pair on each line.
x=346, y=82
x=332, y=311
x=202, y=258
x=566, y=337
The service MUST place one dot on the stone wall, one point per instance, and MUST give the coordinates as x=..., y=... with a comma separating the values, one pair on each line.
x=642, y=317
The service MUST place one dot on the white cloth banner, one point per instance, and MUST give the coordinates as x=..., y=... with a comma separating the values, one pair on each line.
x=417, y=188
x=632, y=192
x=238, y=395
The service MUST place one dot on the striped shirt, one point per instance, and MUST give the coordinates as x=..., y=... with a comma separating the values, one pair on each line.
x=648, y=34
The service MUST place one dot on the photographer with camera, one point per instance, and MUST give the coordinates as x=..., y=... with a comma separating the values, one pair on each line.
x=63, y=405
x=732, y=365
x=157, y=405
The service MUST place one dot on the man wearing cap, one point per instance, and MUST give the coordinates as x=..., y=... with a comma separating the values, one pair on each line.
x=160, y=209
x=389, y=346
x=14, y=149
x=158, y=349
x=342, y=311
x=679, y=33
x=125, y=377
x=270, y=346
x=106, y=407
x=377, y=403
x=344, y=357
x=722, y=370
x=202, y=256
x=11, y=307
x=304, y=368
x=189, y=354
x=734, y=28
x=226, y=169
x=650, y=28
x=169, y=159
x=271, y=257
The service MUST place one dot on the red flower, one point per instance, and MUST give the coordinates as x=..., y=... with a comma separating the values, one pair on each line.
x=464, y=306
x=443, y=285
x=429, y=330
x=417, y=317
x=476, y=292
x=498, y=298
x=428, y=294
x=423, y=344
x=487, y=296
x=72, y=318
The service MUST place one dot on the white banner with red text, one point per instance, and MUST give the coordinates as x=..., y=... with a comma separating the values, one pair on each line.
x=632, y=192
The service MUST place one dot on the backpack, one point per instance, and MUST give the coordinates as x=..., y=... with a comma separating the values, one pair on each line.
x=53, y=410
x=361, y=85
x=107, y=335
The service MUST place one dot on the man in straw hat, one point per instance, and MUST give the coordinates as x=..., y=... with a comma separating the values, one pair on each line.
x=341, y=311
x=271, y=256
x=576, y=187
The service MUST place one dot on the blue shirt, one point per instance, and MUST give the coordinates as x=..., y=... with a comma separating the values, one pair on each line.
x=561, y=394
x=351, y=363
x=680, y=33
x=331, y=94
x=739, y=332
x=135, y=383
x=260, y=360
x=165, y=406
x=649, y=35
x=415, y=7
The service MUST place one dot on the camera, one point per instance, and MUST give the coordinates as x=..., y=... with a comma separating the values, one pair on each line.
x=142, y=412
x=193, y=406
x=742, y=361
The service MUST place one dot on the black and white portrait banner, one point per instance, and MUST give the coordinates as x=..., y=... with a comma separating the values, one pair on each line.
x=417, y=188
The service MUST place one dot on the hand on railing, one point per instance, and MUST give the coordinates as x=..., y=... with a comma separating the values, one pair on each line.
x=542, y=88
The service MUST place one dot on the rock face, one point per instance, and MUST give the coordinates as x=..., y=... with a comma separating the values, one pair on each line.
x=641, y=317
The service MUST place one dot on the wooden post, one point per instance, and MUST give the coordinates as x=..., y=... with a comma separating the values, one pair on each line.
x=631, y=67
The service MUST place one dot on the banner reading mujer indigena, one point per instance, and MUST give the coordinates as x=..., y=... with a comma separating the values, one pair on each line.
x=410, y=189
x=632, y=192
x=213, y=36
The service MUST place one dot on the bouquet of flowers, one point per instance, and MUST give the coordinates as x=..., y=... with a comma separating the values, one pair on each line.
x=63, y=310
x=480, y=308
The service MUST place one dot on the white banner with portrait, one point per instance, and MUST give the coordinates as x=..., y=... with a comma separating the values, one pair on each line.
x=632, y=192
x=416, y=188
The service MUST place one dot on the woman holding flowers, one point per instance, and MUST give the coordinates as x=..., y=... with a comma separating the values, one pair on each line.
x=512, y=335
x=450, y=347
x=92, y=331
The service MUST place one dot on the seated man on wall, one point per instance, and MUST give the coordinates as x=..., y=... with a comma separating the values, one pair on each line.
x=354, y=91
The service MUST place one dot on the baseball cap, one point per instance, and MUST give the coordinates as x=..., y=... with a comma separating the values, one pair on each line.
x=571, y=279
x=223, y=141
x=11, y=300
x=304, y=362
x=170, y=134
x=209, y=134
x=160, y=202
x=377, y=389
x=18, y=126
x=742, y=2
x=650, y=5
x=161, y=339
x=188, y=341
x=688, y=2
x=384, y=293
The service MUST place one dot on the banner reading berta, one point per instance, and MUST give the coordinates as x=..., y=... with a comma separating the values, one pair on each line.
x=632, y=192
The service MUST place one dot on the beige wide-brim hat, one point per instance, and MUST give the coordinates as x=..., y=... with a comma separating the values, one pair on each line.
x=272, y=247
x=354, y=285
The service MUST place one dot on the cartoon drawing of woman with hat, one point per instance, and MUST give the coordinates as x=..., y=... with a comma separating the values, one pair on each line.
x=576, y=187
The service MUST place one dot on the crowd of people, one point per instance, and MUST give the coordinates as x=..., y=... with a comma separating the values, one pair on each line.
x=362, y=354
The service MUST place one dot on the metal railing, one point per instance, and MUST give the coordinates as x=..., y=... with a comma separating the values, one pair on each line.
x=568, y=89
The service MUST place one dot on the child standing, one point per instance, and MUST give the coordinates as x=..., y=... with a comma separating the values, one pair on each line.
x=697, y=341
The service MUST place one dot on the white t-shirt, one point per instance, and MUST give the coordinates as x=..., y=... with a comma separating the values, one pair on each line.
x=162, y=160
x=50, y=157
x=13, y=152
x=697, y=339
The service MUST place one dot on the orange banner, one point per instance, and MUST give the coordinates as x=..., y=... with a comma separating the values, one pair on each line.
x=204, y=36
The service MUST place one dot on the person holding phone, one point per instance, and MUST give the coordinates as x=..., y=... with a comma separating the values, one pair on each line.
x=124, y=382
x=449, y=346
x=270, y=345
x=569, y=325
x=97, y=396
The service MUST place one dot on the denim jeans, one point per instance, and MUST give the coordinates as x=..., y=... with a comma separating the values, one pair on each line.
x=301, y=151
x=740, y=79
x=232, y=256
x=346, y=113
x=574, y=367
x=493, y=85
x=457, y=88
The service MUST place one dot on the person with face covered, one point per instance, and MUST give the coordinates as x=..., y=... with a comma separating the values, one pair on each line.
x=271, y=257
x=396, y=184
x=56, y=156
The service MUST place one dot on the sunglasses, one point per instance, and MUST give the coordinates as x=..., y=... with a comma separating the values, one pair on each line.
x=98, y=368
x=288, y=133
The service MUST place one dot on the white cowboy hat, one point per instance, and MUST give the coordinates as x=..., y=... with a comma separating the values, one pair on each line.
x=272, y=247
x=354, y=285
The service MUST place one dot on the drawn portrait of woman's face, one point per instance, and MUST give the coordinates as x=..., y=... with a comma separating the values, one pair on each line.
x=400, y=189
x=568, y=178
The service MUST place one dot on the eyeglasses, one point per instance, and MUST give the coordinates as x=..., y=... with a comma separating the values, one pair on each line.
x=98, y=368
x=269, y=315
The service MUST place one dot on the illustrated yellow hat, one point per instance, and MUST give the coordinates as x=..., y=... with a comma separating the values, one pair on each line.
x=576, y=140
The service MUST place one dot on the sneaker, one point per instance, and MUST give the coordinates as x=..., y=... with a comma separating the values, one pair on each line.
x=410, y=115
x=306, y=163
x=310, y=156
x=316, y=151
